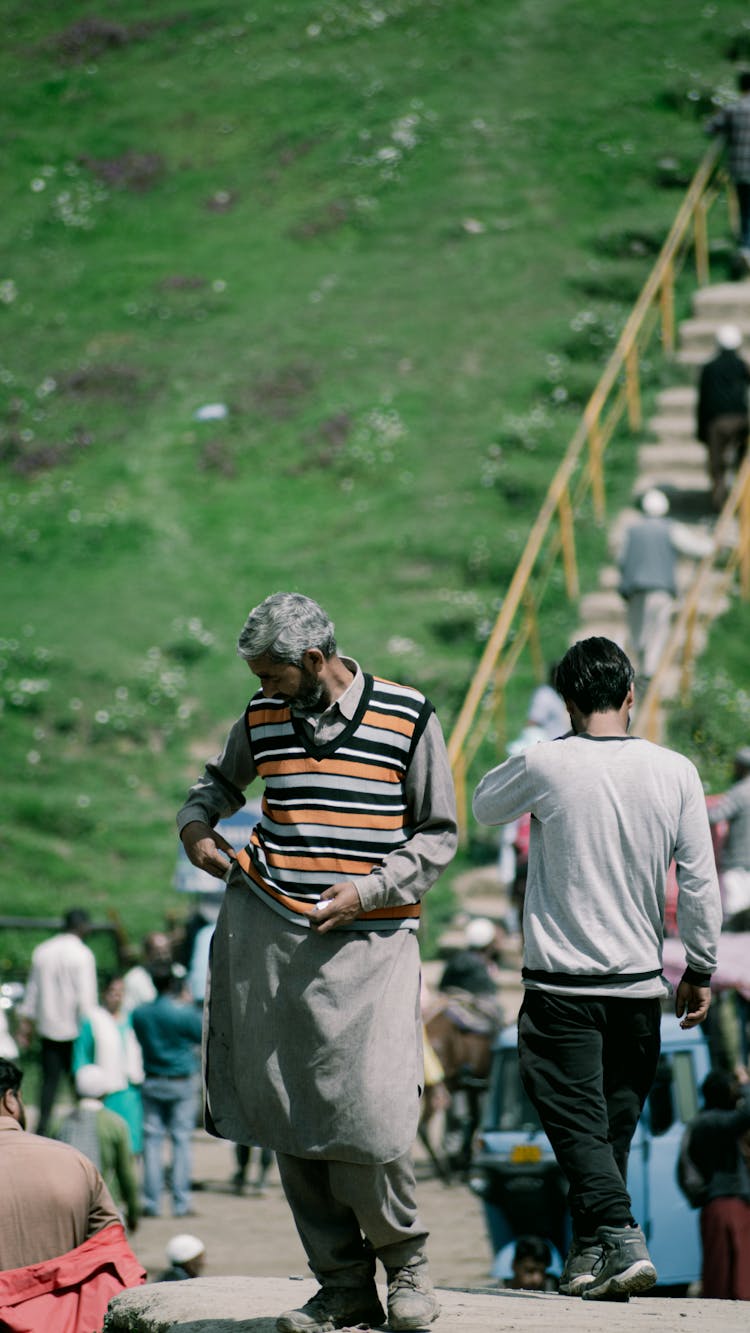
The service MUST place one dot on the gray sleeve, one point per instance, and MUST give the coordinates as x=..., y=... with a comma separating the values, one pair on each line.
x=698, y=899
x=728, y=805
x=504, y=793
x=219, y=792
x=407, y=873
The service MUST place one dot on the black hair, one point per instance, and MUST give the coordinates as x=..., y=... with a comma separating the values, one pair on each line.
x=595, y=675
x=77, y=919
x=167, y=976
x=719, y=1091
x=532, y=1247
x=11, y=1077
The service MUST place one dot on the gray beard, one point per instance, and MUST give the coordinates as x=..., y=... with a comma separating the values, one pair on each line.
x=311, y=700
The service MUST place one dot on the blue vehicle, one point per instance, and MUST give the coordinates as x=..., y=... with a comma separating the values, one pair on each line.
x=524, y=1192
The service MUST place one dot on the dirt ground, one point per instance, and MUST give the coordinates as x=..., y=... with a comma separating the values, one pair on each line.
x=255, y=1237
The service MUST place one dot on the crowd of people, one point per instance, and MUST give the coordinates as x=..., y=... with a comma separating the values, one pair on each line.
x=129, y=1062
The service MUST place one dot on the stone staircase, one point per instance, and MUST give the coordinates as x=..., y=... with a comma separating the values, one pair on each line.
x=675, y=461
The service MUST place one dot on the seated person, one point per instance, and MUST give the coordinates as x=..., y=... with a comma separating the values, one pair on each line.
x=63, y=1252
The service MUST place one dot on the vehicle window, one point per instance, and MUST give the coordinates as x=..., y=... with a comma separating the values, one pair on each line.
x=660, y=1102
x=685, y=1087
x=508, y=1107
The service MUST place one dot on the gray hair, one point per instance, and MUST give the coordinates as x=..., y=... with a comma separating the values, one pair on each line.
x=284, y=627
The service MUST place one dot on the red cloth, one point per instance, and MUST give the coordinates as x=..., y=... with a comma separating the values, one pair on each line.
x=725, y=1235
x=69, y=1294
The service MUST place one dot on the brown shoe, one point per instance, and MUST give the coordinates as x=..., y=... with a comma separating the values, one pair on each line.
x=334, y=1307
x=412, y=1302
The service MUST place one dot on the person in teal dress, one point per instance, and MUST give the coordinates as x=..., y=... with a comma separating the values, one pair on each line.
x=107, y=1039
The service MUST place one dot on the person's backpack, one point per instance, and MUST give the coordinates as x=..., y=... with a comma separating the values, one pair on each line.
x=693, y=1185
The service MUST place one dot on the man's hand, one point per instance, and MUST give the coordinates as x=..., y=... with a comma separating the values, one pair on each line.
x=207, y=849
x=337, y=905
x=692, y=1003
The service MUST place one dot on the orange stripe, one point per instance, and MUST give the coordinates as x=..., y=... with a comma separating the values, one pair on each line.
x=341, y=768
x=266, y=716
x=336, y=818
x=405, y=912
x=313, y=862
x=390, y=723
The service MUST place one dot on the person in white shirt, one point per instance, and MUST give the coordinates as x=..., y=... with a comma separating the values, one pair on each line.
x=60, y=992
x=609, y=812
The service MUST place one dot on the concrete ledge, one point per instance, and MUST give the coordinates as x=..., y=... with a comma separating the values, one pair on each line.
x=251, y=1305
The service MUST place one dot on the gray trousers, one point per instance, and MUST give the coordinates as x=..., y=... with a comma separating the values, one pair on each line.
x=350, y=1214
x=649, y=617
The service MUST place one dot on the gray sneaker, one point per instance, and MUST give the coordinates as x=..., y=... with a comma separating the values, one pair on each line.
x=331, y=1308
x=579, y=1266
x=624, y=1266
x=411, y=1298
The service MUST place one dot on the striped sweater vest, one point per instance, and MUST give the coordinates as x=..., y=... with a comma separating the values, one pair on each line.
x=332, y=812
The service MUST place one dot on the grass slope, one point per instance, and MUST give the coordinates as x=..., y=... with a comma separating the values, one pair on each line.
x=396, y=240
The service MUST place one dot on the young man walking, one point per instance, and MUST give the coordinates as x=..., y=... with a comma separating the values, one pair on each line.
x=609, y=813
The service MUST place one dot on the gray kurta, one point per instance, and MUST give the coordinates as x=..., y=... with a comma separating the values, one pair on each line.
x=313, y=1043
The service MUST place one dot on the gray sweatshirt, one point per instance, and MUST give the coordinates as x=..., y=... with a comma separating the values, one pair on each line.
x=608, y=816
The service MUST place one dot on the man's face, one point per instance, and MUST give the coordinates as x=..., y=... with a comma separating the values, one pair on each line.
x=282, y=680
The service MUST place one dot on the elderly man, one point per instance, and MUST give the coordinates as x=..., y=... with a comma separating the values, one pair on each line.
x=314, y=1030
x=63, y=1253
x=609, y=812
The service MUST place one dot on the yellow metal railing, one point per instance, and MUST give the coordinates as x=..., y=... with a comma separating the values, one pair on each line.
x=581, y=471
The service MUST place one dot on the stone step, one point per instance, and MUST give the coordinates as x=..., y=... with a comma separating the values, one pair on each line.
x=242, y=1304
x=723, y=302
x=689, y=454
x=674, y=425
x=672, y=477
x=678, y=398
x=602, y=604
x=699, y=335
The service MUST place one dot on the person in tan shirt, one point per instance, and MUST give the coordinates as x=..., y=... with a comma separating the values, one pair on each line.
x=63, y=1252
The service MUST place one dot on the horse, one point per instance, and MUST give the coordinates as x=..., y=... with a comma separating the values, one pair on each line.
x=460, y=1028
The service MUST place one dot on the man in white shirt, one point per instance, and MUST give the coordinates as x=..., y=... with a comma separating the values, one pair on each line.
x=60, y=992
x=609, y=812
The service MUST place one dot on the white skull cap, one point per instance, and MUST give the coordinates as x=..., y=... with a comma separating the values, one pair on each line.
x=729, y=337
x=181, y=1249
x=654, y=503
x=479, y=933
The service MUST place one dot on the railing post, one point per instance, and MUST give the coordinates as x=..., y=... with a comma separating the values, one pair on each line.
x=688, y=652
x=633, y=388
x=700, y=235
x=667, y=308
x=532, y=620
x=498, y=711
x=596, y=468
x=568, y=542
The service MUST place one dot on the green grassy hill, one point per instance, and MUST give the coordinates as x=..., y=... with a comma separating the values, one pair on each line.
x=395, y=239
